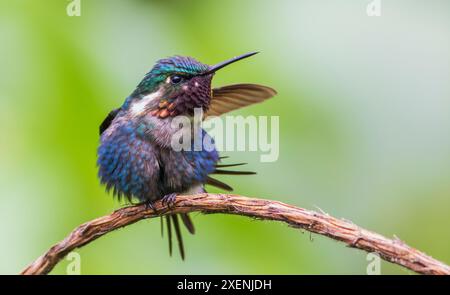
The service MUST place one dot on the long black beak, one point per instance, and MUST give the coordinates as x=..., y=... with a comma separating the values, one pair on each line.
x=218, y=66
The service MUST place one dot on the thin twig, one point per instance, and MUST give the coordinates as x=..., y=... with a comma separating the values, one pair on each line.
x=392, y=250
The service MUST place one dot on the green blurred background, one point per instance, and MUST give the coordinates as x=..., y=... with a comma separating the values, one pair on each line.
x=364, y=127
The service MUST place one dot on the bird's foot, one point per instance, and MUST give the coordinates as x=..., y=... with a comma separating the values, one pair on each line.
x=169, y=200
x=149, y=205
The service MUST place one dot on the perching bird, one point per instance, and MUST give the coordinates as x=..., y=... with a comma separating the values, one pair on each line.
x=135, y=156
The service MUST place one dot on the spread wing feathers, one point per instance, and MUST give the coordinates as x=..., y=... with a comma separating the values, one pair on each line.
x=107, y=121
x=232, y=97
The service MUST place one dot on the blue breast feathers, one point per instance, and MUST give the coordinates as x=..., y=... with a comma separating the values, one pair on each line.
x=187, y=168
x=132, y=164
x=128, y=164
x=203, y=157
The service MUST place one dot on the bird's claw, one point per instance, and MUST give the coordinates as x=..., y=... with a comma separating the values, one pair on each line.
x=169, y=199
x=149, y=205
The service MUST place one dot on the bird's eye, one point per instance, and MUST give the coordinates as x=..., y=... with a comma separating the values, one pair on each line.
x=176, y=79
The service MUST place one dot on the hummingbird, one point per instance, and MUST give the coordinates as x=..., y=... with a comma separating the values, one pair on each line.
x=135, y=156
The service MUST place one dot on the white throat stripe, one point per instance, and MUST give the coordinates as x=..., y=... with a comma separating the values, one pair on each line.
x=138, y=107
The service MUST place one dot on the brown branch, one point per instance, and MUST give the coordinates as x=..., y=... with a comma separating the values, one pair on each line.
x=392, y=250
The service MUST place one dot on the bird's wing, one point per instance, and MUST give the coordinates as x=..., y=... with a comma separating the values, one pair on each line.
x=232, y=97
x=107, y=121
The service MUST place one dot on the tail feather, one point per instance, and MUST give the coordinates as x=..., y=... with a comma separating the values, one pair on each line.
x=176, y=225
x=173, y=219
x=228, y=172
x=229, y=165
x=188, y=222
x=169, y=234
x=185, y=217
x=218, y=183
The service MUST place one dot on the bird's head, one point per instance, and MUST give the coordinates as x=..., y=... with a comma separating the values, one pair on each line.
x=175, y=86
